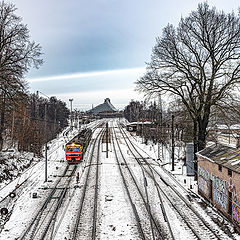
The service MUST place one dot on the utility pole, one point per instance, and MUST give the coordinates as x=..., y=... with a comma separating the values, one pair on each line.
x=160, y=137
x=107, y=140
x=55, y=120
x=45, y=142
x=36, y=114
x=142, y=122
x=172, y=142
x=71, y=112
x=46, y=135
x=13, y=123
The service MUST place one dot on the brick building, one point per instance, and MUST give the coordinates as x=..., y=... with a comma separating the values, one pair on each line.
x=219, y=179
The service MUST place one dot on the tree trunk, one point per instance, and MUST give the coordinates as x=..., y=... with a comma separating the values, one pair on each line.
x=202, y=128
x=195, y=147
x=2, y=122
x=201, y=137
x=195, y=140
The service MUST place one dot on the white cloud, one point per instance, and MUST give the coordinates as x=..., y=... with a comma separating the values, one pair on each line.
x=89, y=74
x=84, y=100
x=91, y=87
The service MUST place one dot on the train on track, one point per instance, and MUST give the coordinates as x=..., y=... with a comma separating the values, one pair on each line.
x=77, y=146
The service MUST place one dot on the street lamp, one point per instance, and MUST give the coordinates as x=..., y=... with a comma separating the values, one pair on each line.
x=71, y=112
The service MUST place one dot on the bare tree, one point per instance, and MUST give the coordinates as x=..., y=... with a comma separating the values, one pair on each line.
x=197, y=61
x=17, y=54
x=133, y=110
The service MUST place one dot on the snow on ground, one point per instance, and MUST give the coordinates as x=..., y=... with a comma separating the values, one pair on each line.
x=24, y=204
x=179, y=174
x=180, y=170
x=13, y=163
x=115, y=220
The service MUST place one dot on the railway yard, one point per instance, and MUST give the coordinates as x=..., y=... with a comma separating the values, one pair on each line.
x=120, y=194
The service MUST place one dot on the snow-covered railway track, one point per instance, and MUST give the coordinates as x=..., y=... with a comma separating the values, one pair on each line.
x=149, y=226
x=85, y=226
x=193, y=197
x=16, y=188
x=195, y=224
x=200, y=227
x=44, y=220
x=135, y=211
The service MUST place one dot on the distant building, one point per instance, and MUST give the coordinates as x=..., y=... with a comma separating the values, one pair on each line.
x=227, y=135
x=105, y=109
x=230, y=139
x=138, y=126
x=219, y=179
x=132, y=127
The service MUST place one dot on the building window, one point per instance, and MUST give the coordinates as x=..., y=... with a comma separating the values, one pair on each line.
x=229, y=172
x=220, y=168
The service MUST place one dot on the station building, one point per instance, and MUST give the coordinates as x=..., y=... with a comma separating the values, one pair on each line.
x=105, y=110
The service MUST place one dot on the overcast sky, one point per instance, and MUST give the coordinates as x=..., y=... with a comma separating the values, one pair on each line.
x=97, y=49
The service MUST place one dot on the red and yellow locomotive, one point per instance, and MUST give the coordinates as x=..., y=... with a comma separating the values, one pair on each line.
x=76, y=148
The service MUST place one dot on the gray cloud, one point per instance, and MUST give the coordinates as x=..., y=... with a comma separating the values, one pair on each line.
x=98, y=35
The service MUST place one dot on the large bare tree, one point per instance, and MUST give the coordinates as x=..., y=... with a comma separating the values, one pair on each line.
x=197, y=61
x=17, y=54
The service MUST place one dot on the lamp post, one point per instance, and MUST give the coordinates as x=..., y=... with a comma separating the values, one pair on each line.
x=46, y=147
x=45, y=129
x=71, y=112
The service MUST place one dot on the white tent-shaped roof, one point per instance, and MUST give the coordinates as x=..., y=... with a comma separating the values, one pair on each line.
x=104, y=107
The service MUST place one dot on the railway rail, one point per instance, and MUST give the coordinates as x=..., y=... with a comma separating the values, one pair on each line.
x=24, y=183
x=199, y=227
x=44, y=220
x=148, y=229
x=20, y=185
x=213, y=213
x=85, y=227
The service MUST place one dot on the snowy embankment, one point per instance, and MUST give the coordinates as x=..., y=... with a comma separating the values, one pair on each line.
x=25, y=182
x=16, y=166
x=13, y=163
x=31, y=181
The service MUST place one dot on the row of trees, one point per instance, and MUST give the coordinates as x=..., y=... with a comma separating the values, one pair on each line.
x=160, y=129
x=197, y=63
x=137, y=111
x=33, y=122
x=25, y=119
x=161, y=119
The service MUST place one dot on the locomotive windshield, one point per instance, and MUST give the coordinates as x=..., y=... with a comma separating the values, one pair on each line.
x=70, y=149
